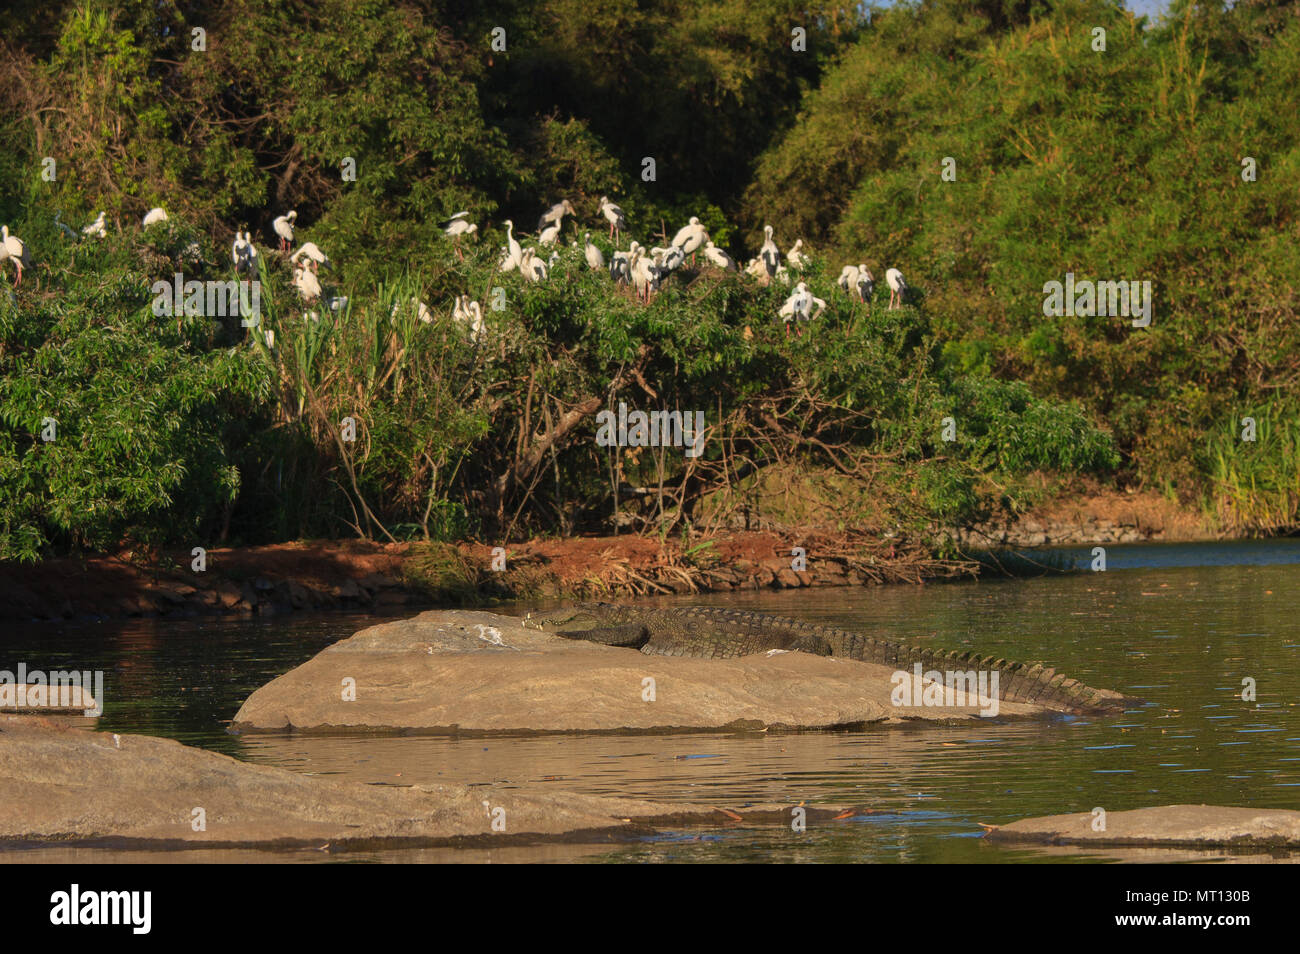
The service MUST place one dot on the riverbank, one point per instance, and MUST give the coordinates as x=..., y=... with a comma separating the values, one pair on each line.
x=396, y=577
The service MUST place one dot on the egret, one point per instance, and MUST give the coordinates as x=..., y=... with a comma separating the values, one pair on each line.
x=307, y=283
x=96, y=228
x=11, y=246
x=314, y=254
x=690, y=238
x=555, y=214
x=614, y=216
x=516, y=251
x=769, y=253
x=505, y=263
x=897, y=287
x=469, y=313
x=795, y=257
x=534, y=269
x=154, y=216
x=718, y=257
x=455, y=227
x=283, y=226
x=595, y=260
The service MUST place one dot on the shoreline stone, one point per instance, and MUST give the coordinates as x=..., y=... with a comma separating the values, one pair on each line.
x=72, y=786
x=1172, y=826
x=474, y=672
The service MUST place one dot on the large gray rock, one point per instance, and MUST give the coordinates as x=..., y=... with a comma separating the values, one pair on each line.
x=1182, y=826
x=72, y=785
x=480, y=672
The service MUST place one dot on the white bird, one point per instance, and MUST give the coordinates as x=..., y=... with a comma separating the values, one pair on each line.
x=58, y=220
x=516, y=250
x=534, y=269
x=11, y=246
x=283, y=226
x=797, y=306
x=505, y=263
x=690, y=238
x=620, y=267
x=795, y=257
x=769, y=253
x=456, y=227
x=96, y=228
x=614, y=216
x=756, y=268
x=669, y=258
x=469, y=313
x=866, y=284
x=244, y=253
x=338, y=303
x=549, y=234
x=718, y=257
x=595, y=259
x=154, y=216
x=897, y=287
x=857, y=280
x=555, y=214
x=645, y=274
x=313, y=252
x=307, y=283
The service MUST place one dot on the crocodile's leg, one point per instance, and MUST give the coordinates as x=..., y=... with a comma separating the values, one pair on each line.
x=631, y=635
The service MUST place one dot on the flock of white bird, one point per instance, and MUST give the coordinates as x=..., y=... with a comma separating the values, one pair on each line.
x=646, y=268
x=641, y=268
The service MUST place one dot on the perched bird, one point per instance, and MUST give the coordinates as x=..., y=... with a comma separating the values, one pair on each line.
x=555, y=214
x=549, y=234
x=866, y=284
x=456, y=227
x=516, y=250
x=672, y=258
x=314, y=255
x=283, y=226
x=96, y=228
x=690, y=238
x=718, y=257
x=620, y=268
x=154, y=216
x=797, y=306
x=308, y=285
x=645, y=274
x=595, y=259
x=614, y=216
x=338, y=303
x=897, y=287
x=795, y=258
x=11, y=246
x=505, y=263
x=239, y=253
x=470, y=314
x=534, y=268
x=769, y=253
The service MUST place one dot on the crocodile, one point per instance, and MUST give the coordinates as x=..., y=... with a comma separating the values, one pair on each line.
x=719, y=633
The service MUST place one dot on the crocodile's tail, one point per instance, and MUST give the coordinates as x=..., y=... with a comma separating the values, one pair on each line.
x=1017, y=682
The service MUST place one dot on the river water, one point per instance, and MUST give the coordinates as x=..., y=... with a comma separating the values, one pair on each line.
x=1180, y=626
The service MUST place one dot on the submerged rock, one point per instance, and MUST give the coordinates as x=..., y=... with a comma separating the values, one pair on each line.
x=72, y=785
x=480, y=672
x=1183, y=826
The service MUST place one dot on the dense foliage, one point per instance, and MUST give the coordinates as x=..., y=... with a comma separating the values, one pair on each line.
x=1123, y=164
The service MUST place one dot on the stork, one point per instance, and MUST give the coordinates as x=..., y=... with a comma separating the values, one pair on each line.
x=153, y=216
x=614, y=216
x=314, y=255
x=239, y=253
x=769, y=253
x=897, y=287
x=11, y=246
x=595, y=259
x=796, y=307
x=690, y=238
x=283, y=226
x=718, y=257
x=555, y=214
x=757, y=269
x=534, y=268
x=866, y=284
x=457, y=226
